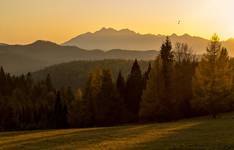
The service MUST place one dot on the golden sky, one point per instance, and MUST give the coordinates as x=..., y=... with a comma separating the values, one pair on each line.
x=24, y=21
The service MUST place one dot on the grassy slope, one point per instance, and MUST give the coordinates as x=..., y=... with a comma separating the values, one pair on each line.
x=197, y=134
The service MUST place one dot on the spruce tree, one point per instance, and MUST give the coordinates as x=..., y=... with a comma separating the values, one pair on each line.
x=150, y=104
x=69, y=96
x=134, y=88
x=104, y=101
x=2, y=82
x=146, y=76
x=60, y=112
x=49, y=83
x=158, y=98
x=120, y=85
x=74, y=110
x=90, y=97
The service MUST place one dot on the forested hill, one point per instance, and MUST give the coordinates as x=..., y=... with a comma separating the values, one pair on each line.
x=17, y=59
x=75, y=74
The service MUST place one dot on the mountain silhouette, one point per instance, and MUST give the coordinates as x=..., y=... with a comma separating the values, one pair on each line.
x=18, y=59
x=109, y=38
x=106, y=43
x=3, y=44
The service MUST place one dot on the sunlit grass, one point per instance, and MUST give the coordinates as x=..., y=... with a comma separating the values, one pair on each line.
x=200, y=133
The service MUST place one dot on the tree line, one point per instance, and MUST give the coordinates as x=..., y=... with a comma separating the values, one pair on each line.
x=177, y=85
x=75, y=73
x=25, y=104
x=183, y=85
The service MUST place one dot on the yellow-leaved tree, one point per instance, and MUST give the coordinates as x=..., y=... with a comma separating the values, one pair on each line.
x=213, y=79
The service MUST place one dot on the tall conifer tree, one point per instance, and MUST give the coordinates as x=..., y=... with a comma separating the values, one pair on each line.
x=158, y=100
x=134, y=88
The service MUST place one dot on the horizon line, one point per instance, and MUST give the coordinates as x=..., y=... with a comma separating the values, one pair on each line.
x=117, y=30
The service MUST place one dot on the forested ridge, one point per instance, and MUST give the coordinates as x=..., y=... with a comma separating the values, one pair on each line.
x=75, y=73
x=176, y=85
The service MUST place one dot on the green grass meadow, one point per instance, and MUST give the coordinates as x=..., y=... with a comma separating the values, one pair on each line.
x=195, y=134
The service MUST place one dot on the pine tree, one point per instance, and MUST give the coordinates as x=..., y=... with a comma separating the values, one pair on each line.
x=104, y=101
x=146, y=76
x=167, y=58
x=74, y=110
x=158, y=97
x=120, y=85
x=60, y=112
x=2, y=82
x=29, y=82
x=25, y=104
x=150, y=104
x=49, y=83
x=91, y=92
x=69, y=96
x=134, y=88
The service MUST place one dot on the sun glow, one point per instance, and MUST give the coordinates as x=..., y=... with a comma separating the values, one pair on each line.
x=59, y=20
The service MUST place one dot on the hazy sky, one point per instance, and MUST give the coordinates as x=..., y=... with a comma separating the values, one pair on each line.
x=24, y=21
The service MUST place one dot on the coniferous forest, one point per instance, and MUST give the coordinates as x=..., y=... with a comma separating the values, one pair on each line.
x=178, y=84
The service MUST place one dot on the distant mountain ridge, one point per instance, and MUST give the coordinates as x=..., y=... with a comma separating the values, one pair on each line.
x=109, y=38
x=19, y=59
x=2, y=44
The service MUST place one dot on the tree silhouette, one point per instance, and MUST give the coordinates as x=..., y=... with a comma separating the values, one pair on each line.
x=134, y=88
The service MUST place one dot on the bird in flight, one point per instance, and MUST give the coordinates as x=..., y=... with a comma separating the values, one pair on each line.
x=179, y=21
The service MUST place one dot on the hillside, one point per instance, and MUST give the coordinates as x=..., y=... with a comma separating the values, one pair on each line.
x=3, y=44
x=75, y=74
x=109, y=38
x=19, y=59
x=198, y=133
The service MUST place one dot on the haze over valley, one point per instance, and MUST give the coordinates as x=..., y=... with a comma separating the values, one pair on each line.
x=106, y=43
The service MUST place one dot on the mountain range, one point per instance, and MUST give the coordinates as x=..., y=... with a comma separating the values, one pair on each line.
x=106, y=43
x=19, y=59
x=109, y=38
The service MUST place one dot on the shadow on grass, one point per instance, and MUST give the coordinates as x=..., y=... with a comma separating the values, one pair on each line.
x=191, y=134
x=99, y=138
x=217, y=134
x=54, y=138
